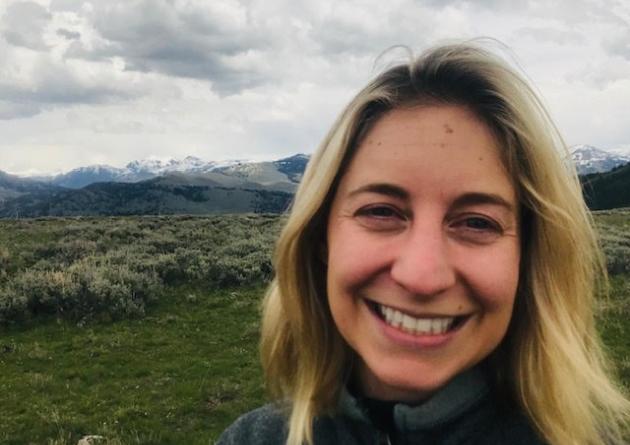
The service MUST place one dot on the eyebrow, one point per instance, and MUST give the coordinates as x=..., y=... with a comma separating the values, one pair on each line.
x=472, y=198
x=382, y=189
x=483, y=198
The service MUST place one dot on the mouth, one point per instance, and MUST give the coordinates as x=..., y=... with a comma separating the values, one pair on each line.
x=429, y=325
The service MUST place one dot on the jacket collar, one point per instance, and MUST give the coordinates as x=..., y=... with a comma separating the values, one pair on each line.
x=451, y=401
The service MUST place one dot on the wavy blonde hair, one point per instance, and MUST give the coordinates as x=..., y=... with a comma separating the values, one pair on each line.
x=551, y=361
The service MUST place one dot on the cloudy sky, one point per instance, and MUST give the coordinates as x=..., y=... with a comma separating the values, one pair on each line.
x=107, y=82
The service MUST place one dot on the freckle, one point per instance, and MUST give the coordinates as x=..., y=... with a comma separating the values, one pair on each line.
x=379, y=143
x=481, y=158
x=442, y=145
x=459, y=308
x=448, y=129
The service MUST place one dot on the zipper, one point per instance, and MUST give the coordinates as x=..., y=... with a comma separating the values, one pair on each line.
x=383, y=439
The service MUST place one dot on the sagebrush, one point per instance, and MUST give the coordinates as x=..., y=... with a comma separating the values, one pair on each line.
x=82, y=268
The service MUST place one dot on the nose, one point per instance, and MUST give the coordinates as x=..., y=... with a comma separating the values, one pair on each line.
x=422, y=264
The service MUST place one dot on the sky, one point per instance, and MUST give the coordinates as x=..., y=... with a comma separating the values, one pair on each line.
x=108, y=82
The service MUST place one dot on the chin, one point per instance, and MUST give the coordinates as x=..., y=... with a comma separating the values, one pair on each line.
x=404, y=382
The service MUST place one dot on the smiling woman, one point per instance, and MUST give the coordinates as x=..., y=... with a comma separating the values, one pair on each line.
x=421, y=278
x=435, y=279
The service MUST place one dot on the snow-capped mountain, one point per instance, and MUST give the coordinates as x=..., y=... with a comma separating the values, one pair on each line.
x=267, y=173
x=589, y=159
x=283, y=170
x=134, y=171
x=189, y=164
x=190, y=186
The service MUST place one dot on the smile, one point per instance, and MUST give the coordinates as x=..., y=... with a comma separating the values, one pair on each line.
x=415, y=325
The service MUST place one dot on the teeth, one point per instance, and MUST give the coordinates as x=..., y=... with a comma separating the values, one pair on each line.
x=397, y=318
x=413, y=325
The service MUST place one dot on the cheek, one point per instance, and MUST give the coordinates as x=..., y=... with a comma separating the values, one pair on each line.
x=495, y=278
x=352, y=259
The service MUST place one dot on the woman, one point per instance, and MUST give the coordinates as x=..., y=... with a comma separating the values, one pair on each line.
x=436, y=275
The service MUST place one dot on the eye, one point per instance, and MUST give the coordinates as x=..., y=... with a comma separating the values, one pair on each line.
x=478, y=223
x=379, y=212
x=476, y=228
x=380, y=217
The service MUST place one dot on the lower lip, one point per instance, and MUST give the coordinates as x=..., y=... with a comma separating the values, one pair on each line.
x=412, y=340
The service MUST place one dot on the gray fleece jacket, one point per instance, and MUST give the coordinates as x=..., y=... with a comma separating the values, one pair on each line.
x=464, y=412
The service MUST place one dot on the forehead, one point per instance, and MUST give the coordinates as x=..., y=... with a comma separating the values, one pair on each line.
x=447, y=146
x=435, y=127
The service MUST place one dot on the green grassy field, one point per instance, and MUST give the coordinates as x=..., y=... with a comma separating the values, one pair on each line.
x=184, y=367
x=179, y=375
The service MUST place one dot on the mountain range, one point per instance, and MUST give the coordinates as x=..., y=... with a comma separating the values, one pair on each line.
x=156, y=187
x=587, y=159
x=194, y=186
x=141, y=170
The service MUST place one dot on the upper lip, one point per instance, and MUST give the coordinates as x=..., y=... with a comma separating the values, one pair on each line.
x=424, y=314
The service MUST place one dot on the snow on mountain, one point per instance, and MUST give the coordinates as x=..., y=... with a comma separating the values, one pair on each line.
x=189, y=165
x=283, y=170
x=288, y=170
x=160, y=167
x=589, y=159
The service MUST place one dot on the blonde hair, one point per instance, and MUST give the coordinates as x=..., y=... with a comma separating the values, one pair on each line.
x=551, y=361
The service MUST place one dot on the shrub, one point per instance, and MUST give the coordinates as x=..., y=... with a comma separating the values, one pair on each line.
x=82, y=291
x=617, y=259
x=114, y=290
x=80, y=268
x=13, y=308
x=5, y=258
x=615, y=241
x=45, y=291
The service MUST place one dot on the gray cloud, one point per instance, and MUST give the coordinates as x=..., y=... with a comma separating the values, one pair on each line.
x=186, y=41
x=56, y=85
x=12, y=110
x=54, y=90
x=23, y=24
x=70, y=35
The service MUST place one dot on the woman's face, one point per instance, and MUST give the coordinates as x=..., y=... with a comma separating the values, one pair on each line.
x=423, y=250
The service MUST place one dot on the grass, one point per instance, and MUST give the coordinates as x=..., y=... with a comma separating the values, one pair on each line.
x=614, y=326
x=180, y=375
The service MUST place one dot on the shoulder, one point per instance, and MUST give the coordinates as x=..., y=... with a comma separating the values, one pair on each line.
x=263, y=426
